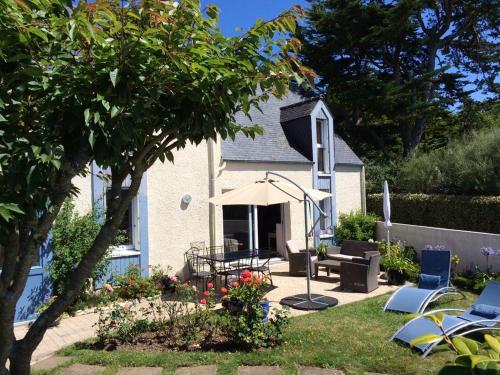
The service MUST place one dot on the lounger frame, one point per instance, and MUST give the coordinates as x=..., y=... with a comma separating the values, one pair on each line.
x=432, y=297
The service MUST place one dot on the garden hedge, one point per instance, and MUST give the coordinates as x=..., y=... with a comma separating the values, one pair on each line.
x=479, y=214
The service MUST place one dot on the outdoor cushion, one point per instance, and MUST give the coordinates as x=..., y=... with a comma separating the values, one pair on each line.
x=426, y=281
x=486, y=311
x=341, y=257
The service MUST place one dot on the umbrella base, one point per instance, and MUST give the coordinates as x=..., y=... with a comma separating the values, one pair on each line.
x=303, y=302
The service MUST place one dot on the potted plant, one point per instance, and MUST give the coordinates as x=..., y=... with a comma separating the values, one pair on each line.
x=398, y=269
x=247, y=295
x=322, y=247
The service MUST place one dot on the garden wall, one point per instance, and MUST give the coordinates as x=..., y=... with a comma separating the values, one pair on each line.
x=480, y=214
x=465, y=244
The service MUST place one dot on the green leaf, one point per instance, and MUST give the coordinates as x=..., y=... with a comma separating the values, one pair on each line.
x=488, y=367
x=92, y=138
x=113, y=75
x=39, y=33
x=428, y=338
x=493, y=343
x=86, y=114
x=461, y=347
x=437, y=318
x=454, y=370
x=2, y=119
x=56, y=163
x=114, y=111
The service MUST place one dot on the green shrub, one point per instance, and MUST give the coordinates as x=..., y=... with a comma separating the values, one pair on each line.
x=132, y=285
x=376, y=172
x=480, y=214
x=72, y=236
x=468, y=166
x=356, y=226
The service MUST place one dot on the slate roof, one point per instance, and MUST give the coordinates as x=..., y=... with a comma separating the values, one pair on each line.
x=298, y=110
x=344, y=154
x=273, y=146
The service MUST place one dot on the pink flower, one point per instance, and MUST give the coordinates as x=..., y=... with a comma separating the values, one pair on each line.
x=206, y=293
x=210, y=285
x=235, y=284
x=173, y=278
x=203, y=301
x=223, y=290
x=108, y=288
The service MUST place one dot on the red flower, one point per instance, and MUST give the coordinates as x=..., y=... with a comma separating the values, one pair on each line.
x=206, y=293
x=210, y=285
x=246, y=274
x=235, y=284
x=203, y=301
x=223, y=290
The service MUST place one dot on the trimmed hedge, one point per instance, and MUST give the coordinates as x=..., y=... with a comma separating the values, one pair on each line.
x=479, y=214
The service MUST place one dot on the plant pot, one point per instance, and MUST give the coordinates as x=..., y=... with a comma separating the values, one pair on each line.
x=265, y=305
x=321, y=256
x=235, y=307
x=395, y=277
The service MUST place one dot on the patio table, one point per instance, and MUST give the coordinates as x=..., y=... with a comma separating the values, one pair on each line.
x=230, y=263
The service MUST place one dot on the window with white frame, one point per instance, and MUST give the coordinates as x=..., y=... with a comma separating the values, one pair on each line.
x=322, y=146
x=127, y=237
x=325, y=206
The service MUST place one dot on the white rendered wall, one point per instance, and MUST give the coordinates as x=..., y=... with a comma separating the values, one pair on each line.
x=348, y=191
x=465, y=244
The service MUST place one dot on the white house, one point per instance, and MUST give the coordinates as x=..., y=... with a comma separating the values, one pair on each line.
x=172, y=210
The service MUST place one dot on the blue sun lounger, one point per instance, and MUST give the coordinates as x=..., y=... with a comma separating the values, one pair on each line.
x=483, y=315
x=434, y=282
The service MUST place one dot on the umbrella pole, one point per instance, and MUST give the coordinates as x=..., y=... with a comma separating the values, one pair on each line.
x=308, y=256
x=388, y=242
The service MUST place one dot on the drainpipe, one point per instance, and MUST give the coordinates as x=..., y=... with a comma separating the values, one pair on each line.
x=363, y=190
x=211, y=192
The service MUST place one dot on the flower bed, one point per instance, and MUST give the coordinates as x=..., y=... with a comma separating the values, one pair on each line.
x=188, y=320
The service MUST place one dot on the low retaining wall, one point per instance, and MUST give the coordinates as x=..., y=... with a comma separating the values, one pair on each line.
x=465, y=244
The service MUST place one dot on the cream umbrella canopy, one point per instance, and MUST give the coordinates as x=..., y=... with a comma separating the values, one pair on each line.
x=266, y=192
x=273, y=191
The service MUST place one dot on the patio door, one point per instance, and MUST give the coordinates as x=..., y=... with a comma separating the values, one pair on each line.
x=253, y=227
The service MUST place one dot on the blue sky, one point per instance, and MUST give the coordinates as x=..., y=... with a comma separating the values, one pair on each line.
x=244, y=13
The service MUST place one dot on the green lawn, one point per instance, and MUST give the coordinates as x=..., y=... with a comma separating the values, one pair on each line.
x=353, y=338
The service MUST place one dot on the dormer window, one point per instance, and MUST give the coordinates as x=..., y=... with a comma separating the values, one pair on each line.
x=322, y=146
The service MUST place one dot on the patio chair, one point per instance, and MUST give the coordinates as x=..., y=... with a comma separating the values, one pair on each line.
x=360, y=275
x=198, y=269
x=434, y=282
x=483, y=315
x=297, y=259
x=261, y=264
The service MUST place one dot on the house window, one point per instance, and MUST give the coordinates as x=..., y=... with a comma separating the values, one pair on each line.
x=126, y=231
x=322, y=145
x=325, y=205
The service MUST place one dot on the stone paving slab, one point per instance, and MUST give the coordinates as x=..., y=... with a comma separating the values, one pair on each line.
x=139, y=371
x=51, y=362
x=81, y=370
x=319, y=371
x=258, y=370
x=196, y=370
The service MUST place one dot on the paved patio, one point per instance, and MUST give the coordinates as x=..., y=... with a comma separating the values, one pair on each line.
x=79, y=328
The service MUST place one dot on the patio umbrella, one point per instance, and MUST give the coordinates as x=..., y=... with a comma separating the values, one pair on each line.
x=387, y=212
x=272, y=191
x=266, y=192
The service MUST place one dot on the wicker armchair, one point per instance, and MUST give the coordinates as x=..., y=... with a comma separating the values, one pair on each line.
x=297, y=259
x=360, y=275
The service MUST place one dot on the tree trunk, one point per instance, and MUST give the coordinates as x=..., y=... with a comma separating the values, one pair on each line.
x=7, y=311
x=22, y=350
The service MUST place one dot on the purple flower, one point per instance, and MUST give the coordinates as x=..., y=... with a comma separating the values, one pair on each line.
x=46, y=297
x=428, y=247
x=489, y=251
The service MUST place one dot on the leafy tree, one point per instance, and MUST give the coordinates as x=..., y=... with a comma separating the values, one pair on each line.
x=123, y=84
x=466, y=166
x=390, y=68
x=72, y=236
